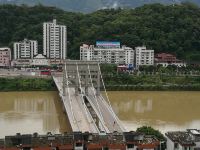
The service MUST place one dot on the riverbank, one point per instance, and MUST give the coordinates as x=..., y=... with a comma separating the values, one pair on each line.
x=126, y=82
x=27, y=84
x=137, y=84
x=153, y=87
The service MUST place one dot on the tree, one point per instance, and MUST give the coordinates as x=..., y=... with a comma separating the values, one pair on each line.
x=150, y=131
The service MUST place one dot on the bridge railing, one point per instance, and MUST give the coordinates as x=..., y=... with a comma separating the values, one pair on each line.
x=89, y=116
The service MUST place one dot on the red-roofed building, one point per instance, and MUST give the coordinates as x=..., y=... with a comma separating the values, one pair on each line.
x=166, y=59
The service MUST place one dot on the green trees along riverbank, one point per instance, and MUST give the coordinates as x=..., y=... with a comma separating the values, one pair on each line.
x=27, y=84
x=151, y=79
x=148, y=79
x=114, y=83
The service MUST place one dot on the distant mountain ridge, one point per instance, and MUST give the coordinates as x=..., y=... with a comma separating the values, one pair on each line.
x=92, y=5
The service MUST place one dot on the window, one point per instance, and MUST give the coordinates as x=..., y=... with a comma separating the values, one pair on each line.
x=130, y=146
x=175, y=145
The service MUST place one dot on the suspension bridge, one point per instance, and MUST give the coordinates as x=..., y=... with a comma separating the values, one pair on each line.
x=87, y=109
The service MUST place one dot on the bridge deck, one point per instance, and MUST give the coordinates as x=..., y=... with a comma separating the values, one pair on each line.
x=78, y=115
x=111, y=120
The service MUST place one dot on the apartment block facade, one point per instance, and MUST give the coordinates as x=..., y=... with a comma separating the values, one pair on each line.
x=5, y=57
x=54, y=40
x=25, y=49
x=107, y=52
x=143, y=56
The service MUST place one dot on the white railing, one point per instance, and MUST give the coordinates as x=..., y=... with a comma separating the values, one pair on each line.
x=110, y=106
x=88, y=115
x=99, y=110
x=69, y=96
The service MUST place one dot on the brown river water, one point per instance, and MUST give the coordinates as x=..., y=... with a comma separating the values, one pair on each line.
x=29, y=112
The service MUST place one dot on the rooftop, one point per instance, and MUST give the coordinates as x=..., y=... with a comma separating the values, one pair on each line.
x=195, y=133
x=4, y=48
x=39, y=56
x=182, y=137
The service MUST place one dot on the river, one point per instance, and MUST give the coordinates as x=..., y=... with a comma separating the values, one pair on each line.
x=29, y=112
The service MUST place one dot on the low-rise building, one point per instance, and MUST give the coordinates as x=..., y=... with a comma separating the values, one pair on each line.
x=140, y=141
x=79, y=141
x=25, y=49
x=125, y=68
x=107, y=52
x=5, y=57
x=182, y=140
x=143, y=56
x=196, y=137
x=21, y=63
x=166, y=59
x=40, y=60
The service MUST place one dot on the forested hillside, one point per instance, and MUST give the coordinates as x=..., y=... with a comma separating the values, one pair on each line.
x=174, y=29
x=93, y=5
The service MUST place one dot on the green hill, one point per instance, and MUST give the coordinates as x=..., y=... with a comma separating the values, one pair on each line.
x=92, y=5
x=174, y=29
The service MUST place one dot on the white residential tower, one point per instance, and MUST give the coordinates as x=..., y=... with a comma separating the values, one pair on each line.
x=25, y=49
x=54, y=40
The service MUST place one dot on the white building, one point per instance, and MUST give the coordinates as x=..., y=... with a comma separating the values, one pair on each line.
x=107, y=52
x=181, y=140
x=25, y=49
x=40, y=60
x=196, y=137
x=143, y=56
x=54, y=40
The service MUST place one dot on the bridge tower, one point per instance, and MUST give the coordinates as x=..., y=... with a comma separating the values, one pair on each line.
x=81, y=75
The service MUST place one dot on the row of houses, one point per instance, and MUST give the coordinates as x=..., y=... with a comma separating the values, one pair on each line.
x=81, y=141
x=25, y=52
x=176, y=140
x=114, y=53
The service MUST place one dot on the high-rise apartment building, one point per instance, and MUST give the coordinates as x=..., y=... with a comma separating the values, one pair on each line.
x=107, y=52
x=143, y=56
x=25, y=49
x=54, y=40
x=5, y=57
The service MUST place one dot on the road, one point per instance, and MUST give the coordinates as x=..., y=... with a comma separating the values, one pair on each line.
x=78, y=115
x=111, y=120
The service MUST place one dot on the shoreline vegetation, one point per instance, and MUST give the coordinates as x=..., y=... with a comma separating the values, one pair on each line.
x=147, y=78
x=47, y=84
x=26, y=84
x=152, y=78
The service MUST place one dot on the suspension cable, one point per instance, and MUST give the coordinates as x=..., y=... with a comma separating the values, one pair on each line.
x=79, y=80
x=114, y=115
x=70, y=100
x=104, y=86
x=93, y=89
